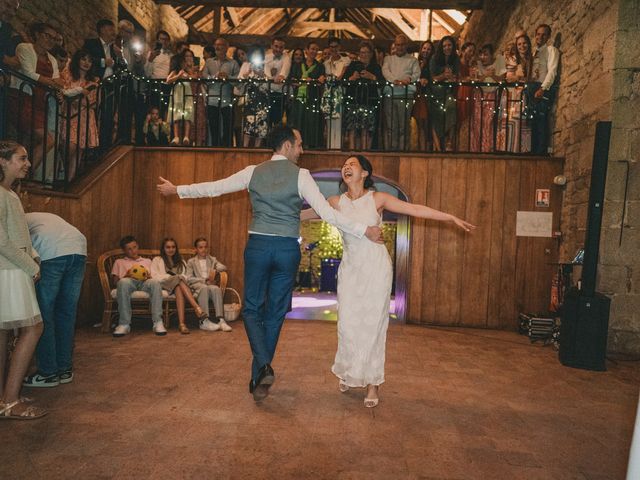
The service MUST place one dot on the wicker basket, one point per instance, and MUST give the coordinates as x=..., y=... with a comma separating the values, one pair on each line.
x=232, y=310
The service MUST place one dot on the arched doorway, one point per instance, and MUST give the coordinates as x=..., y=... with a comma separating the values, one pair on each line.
x=328, y=181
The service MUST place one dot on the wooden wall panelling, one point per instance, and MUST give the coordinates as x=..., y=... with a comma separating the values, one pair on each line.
x=450, y=273
x=415, y=184
x=178, y=223
x=525, y=264
x=451, y=244
x=496, y=226
x=204, y=222
x=429, y=268
x=477, y=252
x=507, y=299
x=149, y=213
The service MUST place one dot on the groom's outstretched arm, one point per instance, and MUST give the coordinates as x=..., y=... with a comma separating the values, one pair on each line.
x=234, y=183
x=308, y=189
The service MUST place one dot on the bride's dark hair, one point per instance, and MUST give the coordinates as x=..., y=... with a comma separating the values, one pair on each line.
x=366, y=166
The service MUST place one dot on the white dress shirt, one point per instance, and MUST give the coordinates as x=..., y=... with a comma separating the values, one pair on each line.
x=275, y=67
x=307, y=189
x=545, y=65
x=160, y=67
x=108, y=71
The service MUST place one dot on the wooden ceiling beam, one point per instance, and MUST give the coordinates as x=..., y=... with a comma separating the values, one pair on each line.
x=302, y=29
x=233, y=16
x=348, y=45
x=432, y=4
x=395, y=16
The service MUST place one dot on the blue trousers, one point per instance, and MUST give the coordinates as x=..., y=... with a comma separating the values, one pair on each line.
x=270, y=267
x=58, y=292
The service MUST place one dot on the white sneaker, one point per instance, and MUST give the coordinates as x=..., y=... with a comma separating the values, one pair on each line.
x=208, y=325
x=158, y=329
x=121, y=330
x=224, y=326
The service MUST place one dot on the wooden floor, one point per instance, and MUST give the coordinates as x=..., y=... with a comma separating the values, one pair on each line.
x=457, y=404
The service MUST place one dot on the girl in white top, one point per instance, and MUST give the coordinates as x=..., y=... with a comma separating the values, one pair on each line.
x=18, y=271
x=171, y=271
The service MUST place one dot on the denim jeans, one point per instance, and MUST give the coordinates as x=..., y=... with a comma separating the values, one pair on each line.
x=270, y=267
x=126, y=286
x=58, y=292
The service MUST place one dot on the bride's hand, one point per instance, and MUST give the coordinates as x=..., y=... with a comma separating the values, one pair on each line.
x=466, y=226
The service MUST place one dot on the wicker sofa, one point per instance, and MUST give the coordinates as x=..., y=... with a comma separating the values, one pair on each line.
x=140, y=304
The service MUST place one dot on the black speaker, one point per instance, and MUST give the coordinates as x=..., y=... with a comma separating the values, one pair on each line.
x=585, y=313
x=596, y=205
x=584, y=329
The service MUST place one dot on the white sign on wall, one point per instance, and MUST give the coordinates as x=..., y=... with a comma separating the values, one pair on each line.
x=534, y=224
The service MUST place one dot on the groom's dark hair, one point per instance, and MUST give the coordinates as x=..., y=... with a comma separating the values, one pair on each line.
x=279, y=135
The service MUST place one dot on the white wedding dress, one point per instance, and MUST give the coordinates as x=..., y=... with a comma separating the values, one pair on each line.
x=364, y=290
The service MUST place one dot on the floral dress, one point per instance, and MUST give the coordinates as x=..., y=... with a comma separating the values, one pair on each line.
x=256, y=109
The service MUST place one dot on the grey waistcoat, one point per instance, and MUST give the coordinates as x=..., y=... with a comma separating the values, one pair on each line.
x=273, y=190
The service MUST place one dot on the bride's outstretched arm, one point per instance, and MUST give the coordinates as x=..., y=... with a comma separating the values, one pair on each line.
x=389, y=202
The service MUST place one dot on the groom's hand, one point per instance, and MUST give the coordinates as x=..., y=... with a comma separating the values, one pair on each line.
x=374, y=234
x=166, y=188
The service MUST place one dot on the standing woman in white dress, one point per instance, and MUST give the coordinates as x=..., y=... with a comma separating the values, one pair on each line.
x=365, y=276
x=18, y=271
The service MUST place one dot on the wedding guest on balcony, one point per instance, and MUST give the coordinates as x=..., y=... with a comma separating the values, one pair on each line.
x=182, y=105
x=220, y=99
x=464, y=95
x=421, y=105
x=256, y=103
x=515, y=128
x=156, y=130
x=157, y=68
x=305, y=112
x=277, y=65
x=79, y=118
x=28, y=104
x=105, y=64
x=402, y=71
x=444, y=67
x=362, y=98
x=489, y=68
x=332, y=103
x=240, y=57
x=179, y=48
x=545, y=73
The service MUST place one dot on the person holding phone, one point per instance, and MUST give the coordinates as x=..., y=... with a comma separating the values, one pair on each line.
x=158, y=67
x=256, y=109
x=362, y=97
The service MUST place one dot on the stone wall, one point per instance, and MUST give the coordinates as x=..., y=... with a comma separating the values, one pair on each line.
x=76, y=19
x=619, y=261
x=599, y=80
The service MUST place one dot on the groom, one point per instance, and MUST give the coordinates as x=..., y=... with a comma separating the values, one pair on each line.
x=272, y=254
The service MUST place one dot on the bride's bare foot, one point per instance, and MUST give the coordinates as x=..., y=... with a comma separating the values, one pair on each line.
x=371, y=399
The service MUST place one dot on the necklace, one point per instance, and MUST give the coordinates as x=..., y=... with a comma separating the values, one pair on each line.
x=353, y=199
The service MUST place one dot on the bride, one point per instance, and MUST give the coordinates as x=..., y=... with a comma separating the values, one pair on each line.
x=364, y=278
